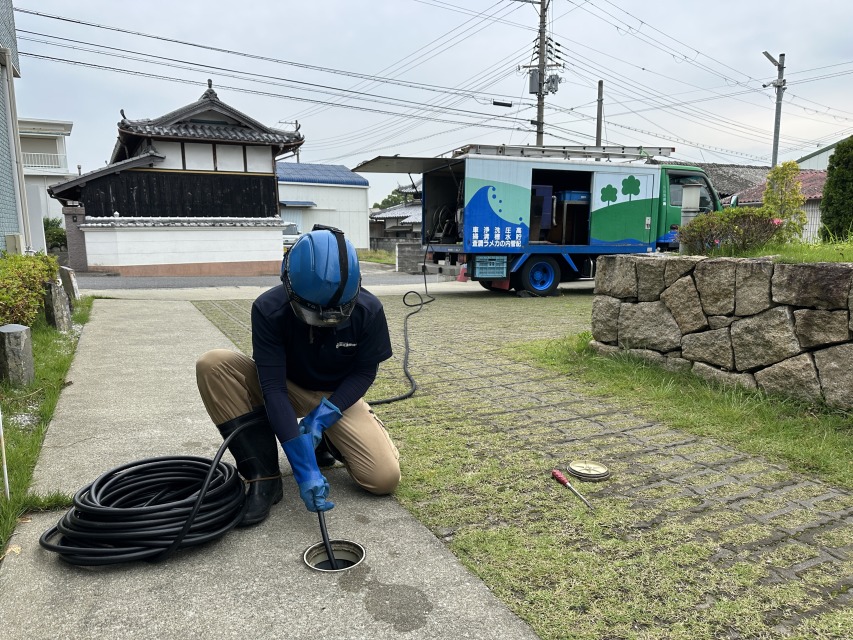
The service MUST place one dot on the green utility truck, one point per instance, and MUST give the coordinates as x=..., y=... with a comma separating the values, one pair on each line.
x=529, y=218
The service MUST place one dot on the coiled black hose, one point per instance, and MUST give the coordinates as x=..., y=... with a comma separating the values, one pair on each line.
x=148, y=509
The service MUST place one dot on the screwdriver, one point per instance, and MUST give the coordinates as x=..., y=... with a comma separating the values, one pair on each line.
x=559, y=477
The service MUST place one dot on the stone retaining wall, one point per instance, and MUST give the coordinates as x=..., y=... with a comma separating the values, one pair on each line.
x=783, y=328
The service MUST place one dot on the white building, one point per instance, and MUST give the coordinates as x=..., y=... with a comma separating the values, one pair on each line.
x=325, y=194
x=45, y=162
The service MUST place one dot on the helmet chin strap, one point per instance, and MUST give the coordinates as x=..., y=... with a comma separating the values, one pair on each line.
x=343, y=261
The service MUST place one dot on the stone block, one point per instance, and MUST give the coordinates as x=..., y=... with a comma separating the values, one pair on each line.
x=764, y=339
x=650, y=277
x=57, y=309
x=795, y=377
x=836, y=375
x=817, y=328
x=727, y=378
x=752, y=287
x=648, y=325
x=711, y=347
x=69, y=283
x=604, y=349
x=682, y=300
x=605, y=318
x=616, y=276
x=718, y=322
x=820, y=285
x=715, y=280
x=648, y=355
x=16, y=355
x=677, y=364
x=680, y=266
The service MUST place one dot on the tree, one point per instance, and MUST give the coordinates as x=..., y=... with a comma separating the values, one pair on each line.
x=630, y=187
x=609, y=194
x=784, y=200
x=836, y=207
x=394, y=198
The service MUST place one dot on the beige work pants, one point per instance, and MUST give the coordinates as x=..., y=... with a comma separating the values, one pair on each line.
x=229, y=387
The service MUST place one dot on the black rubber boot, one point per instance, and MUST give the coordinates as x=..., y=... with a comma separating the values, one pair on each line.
x=256, y=452
x=325, y=459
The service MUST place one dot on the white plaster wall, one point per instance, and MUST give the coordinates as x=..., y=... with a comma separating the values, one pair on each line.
x=128, y=246
x=342, y=206
x=198, y=156
x=259, y=159
x=229, y=157
x=172, y=151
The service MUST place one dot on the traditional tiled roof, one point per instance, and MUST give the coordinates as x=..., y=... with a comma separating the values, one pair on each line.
x=812, y=181
x=208, y=119
x=726, y=178
x=318, y=174
x=399, y=211
x=69, y=190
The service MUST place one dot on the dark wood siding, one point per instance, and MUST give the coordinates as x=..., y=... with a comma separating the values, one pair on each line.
x=176, y=194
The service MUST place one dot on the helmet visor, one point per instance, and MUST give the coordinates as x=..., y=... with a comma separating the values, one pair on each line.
x=318, y=316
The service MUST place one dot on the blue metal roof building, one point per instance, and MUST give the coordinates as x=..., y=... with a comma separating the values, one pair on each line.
x=318, y=174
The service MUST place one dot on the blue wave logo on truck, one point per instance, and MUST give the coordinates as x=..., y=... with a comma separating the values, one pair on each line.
x=489, y=225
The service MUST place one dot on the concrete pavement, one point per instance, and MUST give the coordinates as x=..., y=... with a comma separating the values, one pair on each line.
x=131, y=396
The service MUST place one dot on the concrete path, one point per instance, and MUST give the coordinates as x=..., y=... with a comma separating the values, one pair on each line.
x=132, y=396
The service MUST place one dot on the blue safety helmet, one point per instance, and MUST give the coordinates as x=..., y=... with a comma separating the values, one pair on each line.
x=321, y=275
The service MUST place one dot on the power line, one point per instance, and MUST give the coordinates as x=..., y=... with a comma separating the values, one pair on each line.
x=244, y=90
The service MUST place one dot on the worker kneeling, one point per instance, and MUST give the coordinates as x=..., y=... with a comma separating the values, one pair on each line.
x=317, y=341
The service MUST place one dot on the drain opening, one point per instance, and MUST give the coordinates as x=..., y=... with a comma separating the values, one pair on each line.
x=348, y=554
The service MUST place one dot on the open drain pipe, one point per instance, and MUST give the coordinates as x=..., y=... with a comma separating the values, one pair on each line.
x=328, y=545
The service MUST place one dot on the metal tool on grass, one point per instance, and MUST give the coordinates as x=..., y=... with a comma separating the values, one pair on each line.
x=329, y=553
x=3, y=450
x=559, y=477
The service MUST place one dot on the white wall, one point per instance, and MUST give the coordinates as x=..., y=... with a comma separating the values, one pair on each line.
x=342, y=206
x=198, y=157
x=128, y=246
x=172, y=151
x=259, y=160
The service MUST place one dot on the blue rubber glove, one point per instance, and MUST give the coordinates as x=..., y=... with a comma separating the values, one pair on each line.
x=313, y=486
x=323, y=416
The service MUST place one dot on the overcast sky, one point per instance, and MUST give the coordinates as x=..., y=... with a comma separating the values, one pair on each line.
x=419, y=77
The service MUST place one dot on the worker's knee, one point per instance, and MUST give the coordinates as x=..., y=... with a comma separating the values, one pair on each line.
x=209, y=361
x=380, y=480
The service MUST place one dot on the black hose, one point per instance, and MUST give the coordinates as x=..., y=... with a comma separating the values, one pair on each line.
x=419, y=305
x=148, y=509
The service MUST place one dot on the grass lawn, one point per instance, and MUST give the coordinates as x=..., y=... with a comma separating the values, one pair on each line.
x=723, y=534
x=27, y=412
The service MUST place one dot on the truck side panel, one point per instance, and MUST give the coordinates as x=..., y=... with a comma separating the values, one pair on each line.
x=624, y=208
x=497, y=205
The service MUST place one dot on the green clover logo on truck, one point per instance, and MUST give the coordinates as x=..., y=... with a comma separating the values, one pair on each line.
x=630, y=187
x=609, y=194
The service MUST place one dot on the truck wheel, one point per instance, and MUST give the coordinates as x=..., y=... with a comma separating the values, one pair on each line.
x=540, y=275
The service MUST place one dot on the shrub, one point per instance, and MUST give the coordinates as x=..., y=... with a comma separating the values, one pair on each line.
x=836, y=207
x=22, y=280
x=784, y=200
x=702, y=234
x=733, y=230
x=54, y=234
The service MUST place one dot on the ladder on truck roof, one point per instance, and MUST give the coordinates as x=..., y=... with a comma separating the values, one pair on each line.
x=564, y=152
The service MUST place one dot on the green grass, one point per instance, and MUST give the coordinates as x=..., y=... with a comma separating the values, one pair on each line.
x=495, y=412
x=815, y=440
x=381, y=256
x=27, y=412
x=797, y=252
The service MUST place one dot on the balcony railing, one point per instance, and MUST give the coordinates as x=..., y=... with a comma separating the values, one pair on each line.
x=45, y=160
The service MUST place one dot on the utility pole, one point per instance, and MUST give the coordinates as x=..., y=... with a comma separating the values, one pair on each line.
x=779, y=86
x=540, y=94
x=599, y=115
x=539, y=84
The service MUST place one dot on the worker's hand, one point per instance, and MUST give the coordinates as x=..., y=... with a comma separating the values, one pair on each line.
x=313, y=486
x=321, y=417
